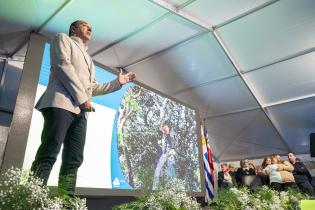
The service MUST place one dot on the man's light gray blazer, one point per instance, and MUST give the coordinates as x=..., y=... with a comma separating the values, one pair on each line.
x=72, y=76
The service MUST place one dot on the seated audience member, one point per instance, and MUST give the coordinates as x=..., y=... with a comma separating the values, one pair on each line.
x=251, y=165
x=254, y=181
x=285, y=168
x=264, y=177
x=245, y=170
x=232, y=167
x=266, y=161
x=232, y=172
x=279, y=173
x=224, y=177
x=258, y=170
x=309, y=176
x=300, y=174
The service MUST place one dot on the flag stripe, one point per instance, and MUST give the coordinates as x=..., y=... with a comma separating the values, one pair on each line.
x=208, y=164
x=208, y=176
x=209, y=190
x=207, y=173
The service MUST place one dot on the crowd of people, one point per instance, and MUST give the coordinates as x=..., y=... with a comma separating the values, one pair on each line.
x=274, y=172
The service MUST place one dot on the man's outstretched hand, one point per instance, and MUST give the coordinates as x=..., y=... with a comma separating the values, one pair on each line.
x=125, y=78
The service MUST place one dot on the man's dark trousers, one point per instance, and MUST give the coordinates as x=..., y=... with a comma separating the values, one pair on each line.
x=69, y=129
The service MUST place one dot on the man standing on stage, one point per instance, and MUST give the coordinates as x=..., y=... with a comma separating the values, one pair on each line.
x=66, y=103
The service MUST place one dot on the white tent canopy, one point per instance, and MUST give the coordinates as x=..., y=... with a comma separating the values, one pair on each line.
x=247, y=65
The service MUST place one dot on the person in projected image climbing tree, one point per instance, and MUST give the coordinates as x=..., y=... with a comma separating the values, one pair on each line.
x=167, y=157
x=66, y=102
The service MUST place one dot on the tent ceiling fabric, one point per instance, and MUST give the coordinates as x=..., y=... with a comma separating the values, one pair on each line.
x=295, y=121
x=198, y=61
x=261, y=103
x=274, y=32
x=292, y=79
x=111, y=19
x=214, y=12
x=19, y=18
x=225, y=96
x=243, y=127
x=169, y=31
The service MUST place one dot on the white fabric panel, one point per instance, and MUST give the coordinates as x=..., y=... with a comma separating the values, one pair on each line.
x=279, y=30
x=9, y=42
x=260, y=131
x=286, y=80
x=241, y=150
x=18, y=18
x=109, y=58
x=250, y=127
x=295, y=121
x=193, y=63
x=231, y=125
x=30, y=13
x=110, y=19
x=223, y=130
x=218, y=143
x=95, y=45
x=214, y=12
x=221, y=97
x=159, y=36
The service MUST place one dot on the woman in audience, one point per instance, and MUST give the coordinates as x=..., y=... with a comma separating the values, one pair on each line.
x=264, y=177
x=266, y=161
x=300, y=174
x=224, y=177
x=251, y=165
x=285, y=168
x=280, y=175
x=245, y=170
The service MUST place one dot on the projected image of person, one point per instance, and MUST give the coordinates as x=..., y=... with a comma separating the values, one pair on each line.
x=167, y=157
x=157, y=140
x=66, y=102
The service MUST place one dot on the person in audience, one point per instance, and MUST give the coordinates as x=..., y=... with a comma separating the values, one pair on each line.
x=254, y=181
x=251, y=165
x=263, y=177
x=232, y=172
x=266, y=161
x=245, y=170
x=224, y=177
x=300, y=174
x=279, y=173
x=285, y=168
x=258, y=169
